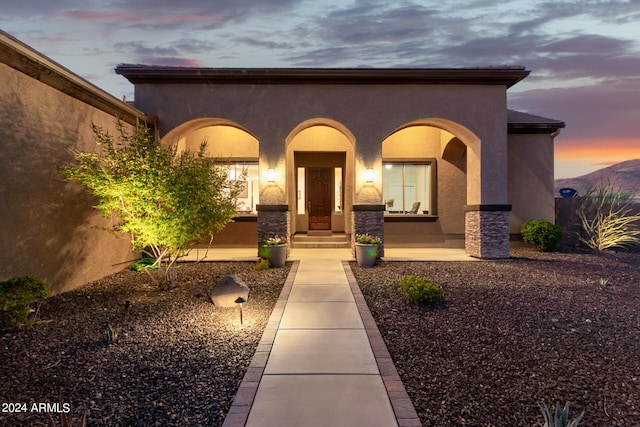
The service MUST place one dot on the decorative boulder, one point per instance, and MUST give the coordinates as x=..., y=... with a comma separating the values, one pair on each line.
x=228, y=289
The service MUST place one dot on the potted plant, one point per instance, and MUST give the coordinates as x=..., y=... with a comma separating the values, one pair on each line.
x=274, y=249
x=367, y=249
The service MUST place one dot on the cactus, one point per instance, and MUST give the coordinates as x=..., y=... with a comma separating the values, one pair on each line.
x=560, y=418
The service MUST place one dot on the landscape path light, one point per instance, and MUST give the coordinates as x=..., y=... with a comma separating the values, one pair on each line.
x=239, y=301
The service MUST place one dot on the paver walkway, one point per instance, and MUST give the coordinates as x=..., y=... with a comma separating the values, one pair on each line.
x=321, y=360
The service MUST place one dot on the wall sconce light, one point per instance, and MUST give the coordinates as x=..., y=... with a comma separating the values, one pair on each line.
x=271, y=175
x=239, y=301
x=369, y=176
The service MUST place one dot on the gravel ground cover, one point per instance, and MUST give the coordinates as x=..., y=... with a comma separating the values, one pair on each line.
x=509, y=335
x=177, y=361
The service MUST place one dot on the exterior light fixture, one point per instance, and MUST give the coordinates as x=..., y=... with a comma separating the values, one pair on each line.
x=239, y=301
x=369, y=175
x=271, y=175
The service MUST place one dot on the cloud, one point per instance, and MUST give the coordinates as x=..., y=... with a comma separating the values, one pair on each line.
x=21, y=8
x=90, y=15
x=595, y=112
x=172, y=61
x=172, y=48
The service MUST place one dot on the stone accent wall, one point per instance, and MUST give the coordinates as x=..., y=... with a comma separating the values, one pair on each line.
x=487, y=232
x=273, y=220
x=368, y=219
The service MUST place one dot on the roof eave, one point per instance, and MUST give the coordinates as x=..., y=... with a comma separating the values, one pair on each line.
x=533, y=128
x=507, y=76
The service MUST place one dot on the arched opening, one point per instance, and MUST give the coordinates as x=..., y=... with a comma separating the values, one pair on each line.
x=320, y=176
x=426, y=183
x=237, y=149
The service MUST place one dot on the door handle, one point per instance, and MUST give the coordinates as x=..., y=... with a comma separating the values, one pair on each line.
x=309, y=208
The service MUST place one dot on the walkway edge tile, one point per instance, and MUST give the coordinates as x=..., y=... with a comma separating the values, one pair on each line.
x=403, y=409
x=242, y=401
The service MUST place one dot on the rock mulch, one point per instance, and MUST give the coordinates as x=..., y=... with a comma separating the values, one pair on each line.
x=510, y=335
x=177, y=360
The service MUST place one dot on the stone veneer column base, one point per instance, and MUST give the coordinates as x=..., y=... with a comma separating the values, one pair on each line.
x=273, y=220
x=368, y=219
x=487, y=231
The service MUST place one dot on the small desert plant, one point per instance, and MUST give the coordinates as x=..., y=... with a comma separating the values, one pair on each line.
x=261, y=264
x=560, y=418
x=544, y=235
x=110, y=334
x=606, y=219
x=420, y=290
x=21, y=298
x=68, y=420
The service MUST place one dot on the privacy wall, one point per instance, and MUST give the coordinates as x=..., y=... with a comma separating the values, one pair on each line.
x=48, y=226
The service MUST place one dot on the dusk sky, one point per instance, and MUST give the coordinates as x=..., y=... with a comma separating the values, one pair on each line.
x=584, y=55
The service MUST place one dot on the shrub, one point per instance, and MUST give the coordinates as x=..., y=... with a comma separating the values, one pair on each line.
x=261, y=264
x=420, y=290
x=560, y=418
x=606, y=218
x=20, y=299
x=165, y=200
x=544, y=235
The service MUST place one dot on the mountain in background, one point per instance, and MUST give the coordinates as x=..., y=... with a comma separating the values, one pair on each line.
x=624, y=176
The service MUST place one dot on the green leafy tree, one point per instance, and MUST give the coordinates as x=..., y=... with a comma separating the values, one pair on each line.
x=165, y=200
x=606, y=218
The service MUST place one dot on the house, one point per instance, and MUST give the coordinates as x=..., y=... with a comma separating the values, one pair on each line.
x=420, y=157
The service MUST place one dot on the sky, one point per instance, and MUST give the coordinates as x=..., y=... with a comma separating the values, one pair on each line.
x=584, y=55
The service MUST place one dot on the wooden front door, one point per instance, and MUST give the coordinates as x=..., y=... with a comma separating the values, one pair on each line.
x=319, y=197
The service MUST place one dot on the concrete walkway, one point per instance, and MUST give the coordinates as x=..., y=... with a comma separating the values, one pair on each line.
x=321, y=360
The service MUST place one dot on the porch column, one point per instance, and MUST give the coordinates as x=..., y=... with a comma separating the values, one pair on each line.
x=273, y=220
x=368, y=219
x=487, y=231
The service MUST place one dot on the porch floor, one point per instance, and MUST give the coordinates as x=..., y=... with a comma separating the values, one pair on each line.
x=344, y=254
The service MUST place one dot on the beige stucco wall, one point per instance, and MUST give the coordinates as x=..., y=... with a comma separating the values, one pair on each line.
x=45, y=222
x=370, y=113
x=530, y=179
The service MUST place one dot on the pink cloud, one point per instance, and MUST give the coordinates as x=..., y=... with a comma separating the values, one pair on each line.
x=92, y=16
x=186, y=18
x=88, y=15
x=173, y=62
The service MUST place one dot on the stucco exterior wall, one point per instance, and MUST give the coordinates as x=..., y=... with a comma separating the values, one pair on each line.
x=530, y=179
x=47, y=223
x=271, y=112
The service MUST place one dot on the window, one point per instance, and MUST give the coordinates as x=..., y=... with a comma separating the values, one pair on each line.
x=248, y=175
x=337, y=188
x=406, y=188
x=301, y=192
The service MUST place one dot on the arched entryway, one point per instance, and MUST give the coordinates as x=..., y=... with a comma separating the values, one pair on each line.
x=320, y=176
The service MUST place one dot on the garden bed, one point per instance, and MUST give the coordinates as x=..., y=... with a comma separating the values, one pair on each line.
x=177, y=360
x=510, y=335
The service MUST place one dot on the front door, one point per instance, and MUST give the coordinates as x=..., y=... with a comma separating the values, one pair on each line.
x=319, y=196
